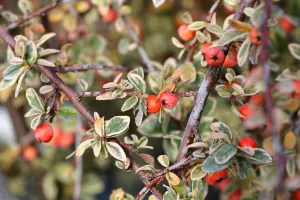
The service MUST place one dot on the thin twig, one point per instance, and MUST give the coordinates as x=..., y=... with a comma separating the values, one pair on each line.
x=86, y=67
x=207, y=85
x=36, y=13
x=269, y=103
x=141, y=50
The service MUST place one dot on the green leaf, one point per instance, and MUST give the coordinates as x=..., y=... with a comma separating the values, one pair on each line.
x=197, y=173
x=44, y=38
x=168, y=196
x=34, y=100
x=197, y=25
x=129, y=103
x=19, y=84
x=260, y=156
x=223, y=91
x=25, y=6
x=117, y=126
x=244, y=52
x=152, y=81
x=209, y=165
x=31, y=54
x=215, y=29
x=171, y=149
x=243, y=167
x=64, y=172
x=151, y=127
x=96, y=43
x=67, y=113
x=116, y=151
x=163, y=160
x=139, y=71
x=225, y=153
x=145, y=168
x=295, y=50
x=189, y=72
x=33, y=112
x=220, y=126
x=83, y=146
x=35, y=122
x=123, y=46
x=45, y=63
x=12, y=72
x=230, y=36
x=9, y=16
x=46, y=52
x=139, y=116
x=97, y=149
x=138, y=82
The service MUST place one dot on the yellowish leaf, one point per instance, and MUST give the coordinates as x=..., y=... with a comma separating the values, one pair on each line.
x=172, y=178
x=289, y=141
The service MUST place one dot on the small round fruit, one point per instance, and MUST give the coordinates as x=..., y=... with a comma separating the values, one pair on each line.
x=246, y=111
x=231, y=59
x=256, y=99
x=44, y=133
x=153, y=104
x=216, y=177
x=204, y=47
x=296, y=88
x=247, y=142
x=110, y=16
x=185, y=33
x=223, y=184
x=62, y=139
x=255, y=36
x=286, y=23
x=168, y=99
x=29, y=153
x=214, y=56
x=235, y=195
x=296, y=195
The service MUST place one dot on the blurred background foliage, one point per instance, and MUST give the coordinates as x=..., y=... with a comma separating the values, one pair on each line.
x=49, y=174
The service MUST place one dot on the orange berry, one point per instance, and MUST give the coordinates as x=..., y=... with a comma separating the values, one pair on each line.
x=153, y=104
x=231, y=59
x=247, y=142
x=256, y=99
x=255, y=36
x=29, y=153
x=110, y=16
x=297, y=88
x=168, y=99
x=216, y=177
x=185, y=33
x=286, y=23
x=62, y=139
x=214, y=56
x=44, y=133
x=296, y=195
x=235, y=195
x=204, y=47
x=246, y=111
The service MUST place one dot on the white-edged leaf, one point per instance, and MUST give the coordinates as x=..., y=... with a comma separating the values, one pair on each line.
x=244, y=52
x=83, y=84
x=117, y=126
x=116, y=151
x=35, y=122
x=31, y=54
x=230, y=36
x=295, y=50
x=129, y=103
x=163, y=160
x=34, y=100
x=138, y=82
x=198, y=145
x=46, y=52
x=99, y=126
x=97, y=149
x=197, y=25
x=46, y=89
x=197, y=173
x=215, y=29
x=45, y=63
x=19, y=84
x=12, y=72
x=44, y=38
x=83, y=146
x=158, y=3
x=177, y=43
x=33, y=112
x=145, y=168
x=225, y=153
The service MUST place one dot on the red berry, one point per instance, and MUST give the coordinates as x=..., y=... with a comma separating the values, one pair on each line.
x=256, y=99
x=223, y=184
x=44, y=133
x=247, y=142
x=153, y=104
x=246, y=111
x=296, y=195
x=110, y=16
x=231, y=59
x=297, y=88
x=29, y=153
x=235, y=195
x=185, y=33
x=286, y=23
x=62, y=139
x=255, y=36
x=168, y=99
x=216, y=177
x=204, y=47
x=214, y=56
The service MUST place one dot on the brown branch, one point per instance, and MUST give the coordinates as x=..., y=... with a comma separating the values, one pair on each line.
x=36, y=13
x=86, y=67
x=72, y=96
x=136, y=39
x=269, y=103
x=207, y=85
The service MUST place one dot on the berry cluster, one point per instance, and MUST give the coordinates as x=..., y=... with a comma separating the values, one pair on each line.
x=155, y=102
